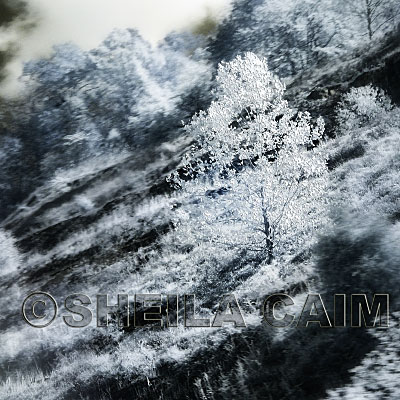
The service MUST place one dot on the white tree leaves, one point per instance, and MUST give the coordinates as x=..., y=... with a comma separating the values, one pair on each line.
x=254, y=177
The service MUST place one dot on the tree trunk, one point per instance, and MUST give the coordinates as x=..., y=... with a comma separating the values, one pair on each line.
x=369, y=17
x=269, y=245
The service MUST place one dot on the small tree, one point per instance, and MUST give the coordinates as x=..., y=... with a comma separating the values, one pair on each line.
x=253, y=178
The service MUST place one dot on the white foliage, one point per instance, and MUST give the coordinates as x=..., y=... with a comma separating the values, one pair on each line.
x=255, y=178
x=362, y=105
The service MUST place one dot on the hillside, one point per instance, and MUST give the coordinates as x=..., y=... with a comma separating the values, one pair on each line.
x=105, y=222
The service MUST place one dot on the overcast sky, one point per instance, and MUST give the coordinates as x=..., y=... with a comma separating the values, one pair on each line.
x=87, y=22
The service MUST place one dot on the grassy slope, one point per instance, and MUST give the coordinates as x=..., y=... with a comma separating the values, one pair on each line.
x=304, y=364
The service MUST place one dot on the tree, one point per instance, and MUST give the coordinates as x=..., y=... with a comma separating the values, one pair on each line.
x=293, y=35
x=376, y=14
x=254, y=178
x=79, y=106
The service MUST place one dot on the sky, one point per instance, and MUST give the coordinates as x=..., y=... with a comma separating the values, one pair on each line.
x=87, y=23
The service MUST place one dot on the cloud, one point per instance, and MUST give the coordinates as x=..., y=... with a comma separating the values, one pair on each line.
x=87, y=23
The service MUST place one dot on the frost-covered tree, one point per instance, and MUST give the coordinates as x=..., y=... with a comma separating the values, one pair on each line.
x=254, y=177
